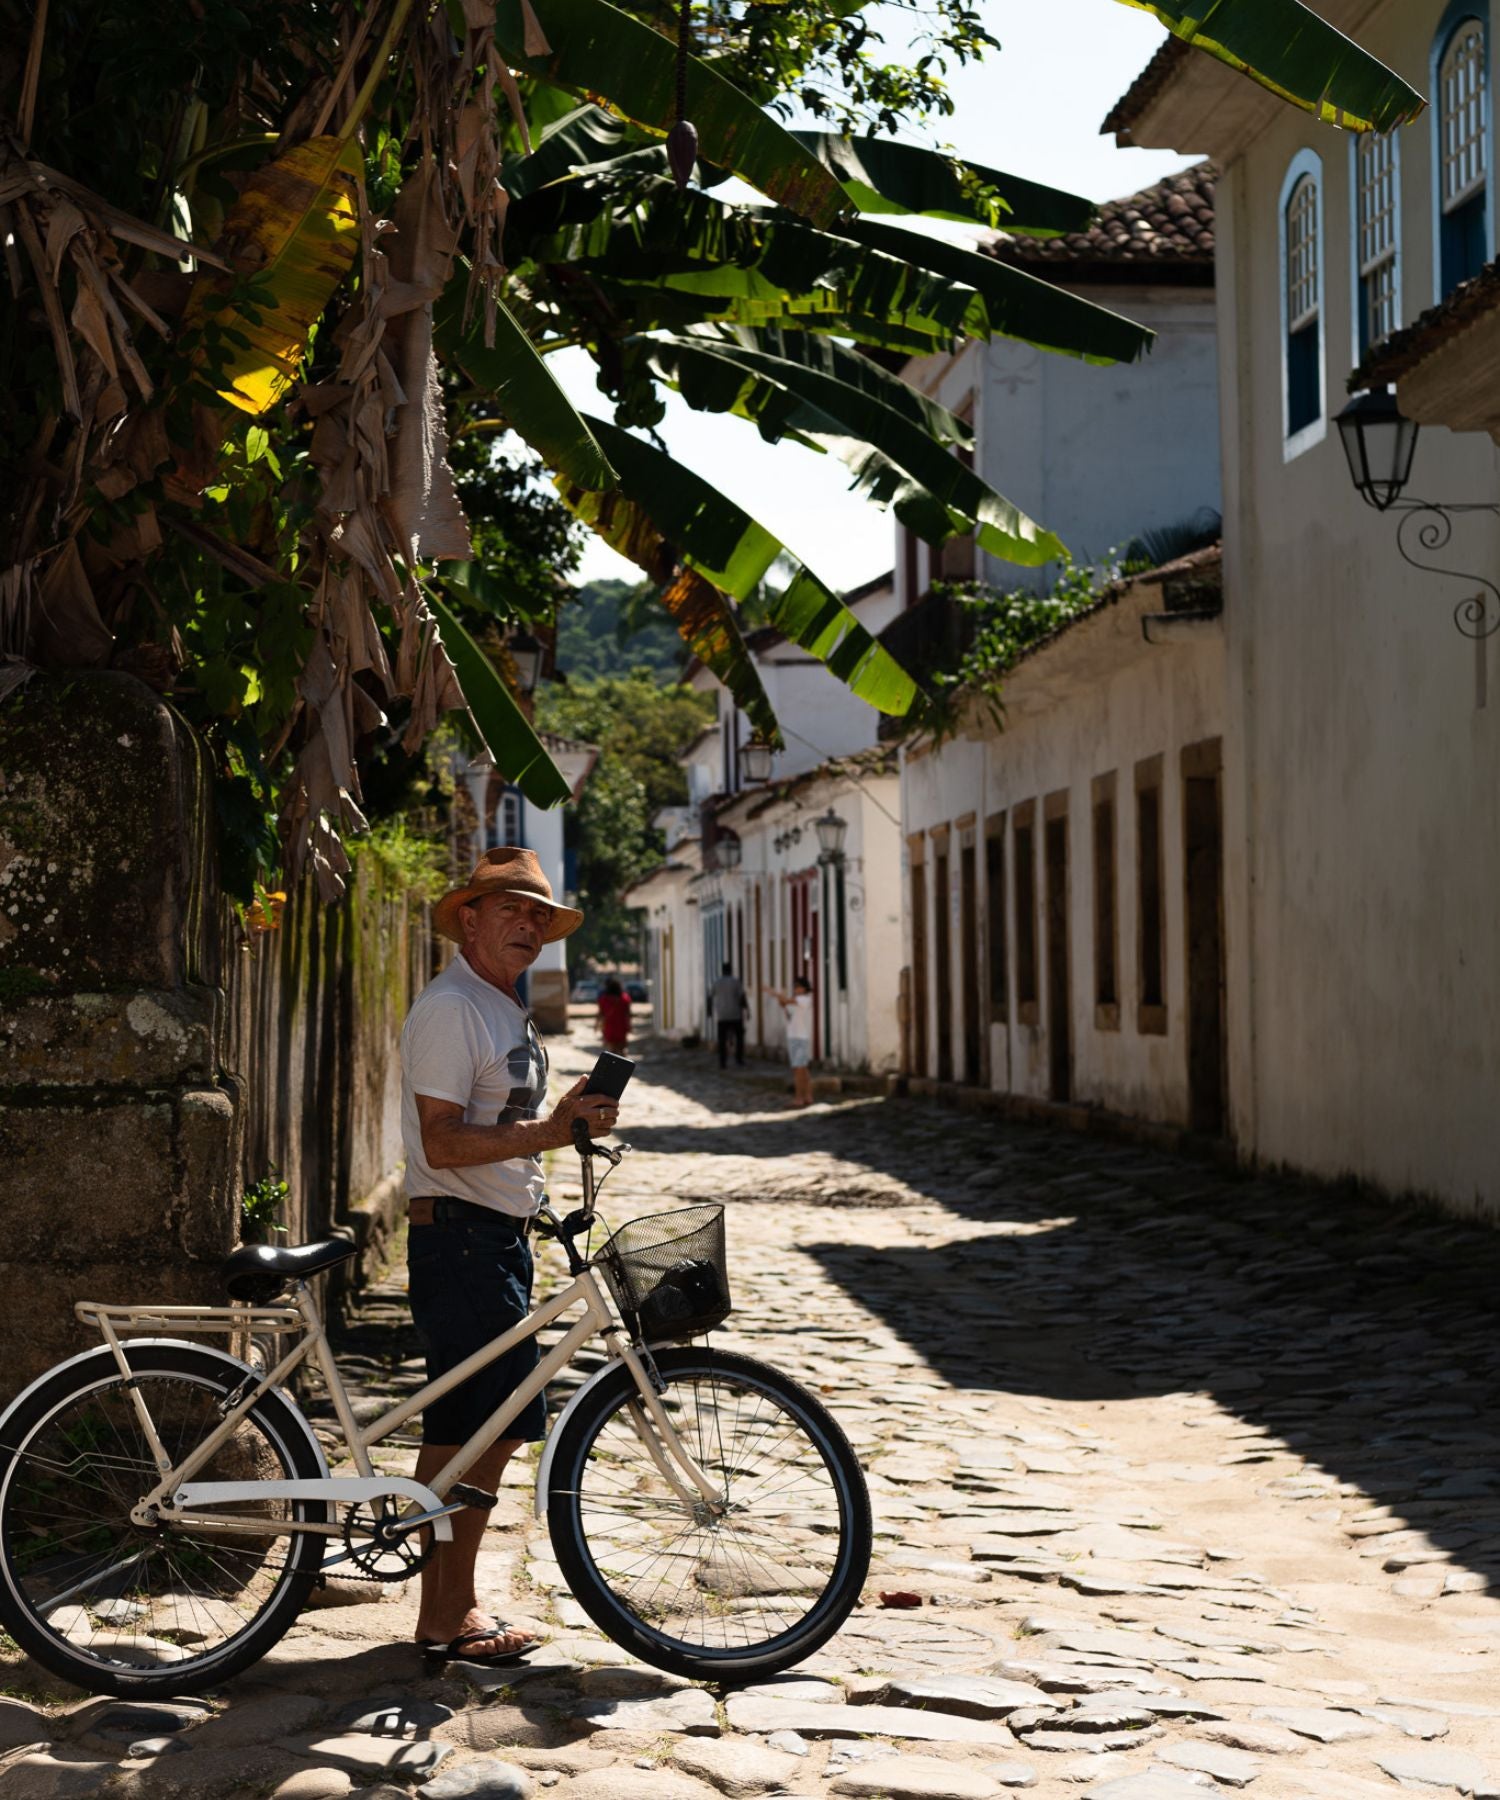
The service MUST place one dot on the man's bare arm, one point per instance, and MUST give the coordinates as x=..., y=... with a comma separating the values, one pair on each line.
x=449, y=1143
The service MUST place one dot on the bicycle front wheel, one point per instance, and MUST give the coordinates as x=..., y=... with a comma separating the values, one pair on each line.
x=733, y=1592
x=119, y=1608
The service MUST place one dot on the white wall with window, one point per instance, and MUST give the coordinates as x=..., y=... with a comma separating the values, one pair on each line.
x=1362, y=733
x=1304, y=420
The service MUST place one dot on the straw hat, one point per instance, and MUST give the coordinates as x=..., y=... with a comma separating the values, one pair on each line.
x=505, y=870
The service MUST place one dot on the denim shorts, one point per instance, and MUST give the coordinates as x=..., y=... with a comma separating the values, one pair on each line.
x=469, y=1282
x=799, y=1052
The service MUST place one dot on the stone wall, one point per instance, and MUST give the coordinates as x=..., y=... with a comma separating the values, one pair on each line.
x=151, y=1061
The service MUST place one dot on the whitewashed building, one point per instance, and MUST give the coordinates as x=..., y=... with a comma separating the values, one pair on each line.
x=1096, y=454
x=1361, y=743
x=743, y=882
x=1063, y=866
x=499, y=813
x=1061, y=856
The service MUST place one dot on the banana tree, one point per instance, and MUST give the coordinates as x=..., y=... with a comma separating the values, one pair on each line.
x=261, y=287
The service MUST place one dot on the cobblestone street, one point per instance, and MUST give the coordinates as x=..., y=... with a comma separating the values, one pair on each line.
x=1195, y=1478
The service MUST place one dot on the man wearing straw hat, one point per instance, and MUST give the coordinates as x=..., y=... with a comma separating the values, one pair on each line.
x=473, y=1085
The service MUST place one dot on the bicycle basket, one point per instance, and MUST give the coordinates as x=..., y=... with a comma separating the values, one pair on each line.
x=669, y=1274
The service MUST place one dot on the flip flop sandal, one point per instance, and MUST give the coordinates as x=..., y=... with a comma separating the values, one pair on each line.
x=436, y=1651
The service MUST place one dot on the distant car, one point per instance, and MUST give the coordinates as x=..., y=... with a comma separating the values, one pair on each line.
x=638, y=990
x=586, y=991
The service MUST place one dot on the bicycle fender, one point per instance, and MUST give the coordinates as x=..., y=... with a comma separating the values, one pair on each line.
x=157, y=1343
x=549, y=1449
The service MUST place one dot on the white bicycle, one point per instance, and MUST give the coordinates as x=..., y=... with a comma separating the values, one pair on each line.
x=166, y=1509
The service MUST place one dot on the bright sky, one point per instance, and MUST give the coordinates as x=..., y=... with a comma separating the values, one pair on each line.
x=1033, y=108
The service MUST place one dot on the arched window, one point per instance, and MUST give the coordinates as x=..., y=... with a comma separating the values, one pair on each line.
x=1376, y=170
x=1461, y=122
x=1302, y=302
x=509, y=820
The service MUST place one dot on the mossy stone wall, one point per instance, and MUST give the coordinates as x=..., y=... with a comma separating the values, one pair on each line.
x=152, y=1059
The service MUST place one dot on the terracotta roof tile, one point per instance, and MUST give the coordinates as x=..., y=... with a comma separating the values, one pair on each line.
x=1144, y=89
x=1169, y=225
x=1398, y=354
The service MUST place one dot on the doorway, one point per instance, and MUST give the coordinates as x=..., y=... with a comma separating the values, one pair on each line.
x=1059, y=995
x=1203, y=859
x=943, y=971
x=968, y=954
x=918, y=968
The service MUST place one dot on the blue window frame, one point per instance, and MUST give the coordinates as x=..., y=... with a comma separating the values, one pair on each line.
x=1375, y=259
x=1300, y=215
x=1462, y=127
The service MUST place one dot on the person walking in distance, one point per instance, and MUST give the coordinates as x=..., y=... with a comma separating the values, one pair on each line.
x=473, y=1086
x=614, y=1017
x=798, y=1008
x=729, y=1008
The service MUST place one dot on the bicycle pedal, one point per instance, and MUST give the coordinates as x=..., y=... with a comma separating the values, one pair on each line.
x=473, y=1496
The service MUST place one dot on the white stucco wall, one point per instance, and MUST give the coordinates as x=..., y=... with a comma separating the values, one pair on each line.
x=1363, y=802
x=1096, y=454
x=864, y=1027
x=1098, y=700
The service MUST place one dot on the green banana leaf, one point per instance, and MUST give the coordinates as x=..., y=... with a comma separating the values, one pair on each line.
x=893, y=459
x=1012, y=303
x=668, y=309
x=598, y=50
x=519, y=753
x=881, y=176
x=842, y=363
x=733, y=551
x=1287, y=48
x=703, y=616
x=581, y=139
x=766, y=265
x=521, y=386
x=299, y=217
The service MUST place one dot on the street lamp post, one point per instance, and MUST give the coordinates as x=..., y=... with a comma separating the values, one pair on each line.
x=1379, y=444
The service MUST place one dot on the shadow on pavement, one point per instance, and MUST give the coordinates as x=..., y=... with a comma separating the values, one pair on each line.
x=1360, y=1334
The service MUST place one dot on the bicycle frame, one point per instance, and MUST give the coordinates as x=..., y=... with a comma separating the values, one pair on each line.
x=177, y=1498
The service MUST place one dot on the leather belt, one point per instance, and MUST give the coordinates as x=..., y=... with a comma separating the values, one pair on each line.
x=447, y=1209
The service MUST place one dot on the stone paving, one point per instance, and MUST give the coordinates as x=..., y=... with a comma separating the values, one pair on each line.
x=1194, y=1480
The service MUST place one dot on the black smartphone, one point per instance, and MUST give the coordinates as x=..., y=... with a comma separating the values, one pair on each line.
x=610, y=1075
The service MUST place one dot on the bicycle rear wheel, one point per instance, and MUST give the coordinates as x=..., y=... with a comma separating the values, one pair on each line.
x=735, y=1594
x=122, y=1609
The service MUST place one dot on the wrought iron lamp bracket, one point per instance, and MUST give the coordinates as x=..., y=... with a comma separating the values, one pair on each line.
x=1430, y=523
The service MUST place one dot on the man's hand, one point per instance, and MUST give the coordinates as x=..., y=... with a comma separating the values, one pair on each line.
x=598, y=1111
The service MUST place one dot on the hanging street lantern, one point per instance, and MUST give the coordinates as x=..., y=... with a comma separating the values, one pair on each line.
x=526, y=653
x=830, y=829
x=1379, y=443
x=729, y=851
x=755, y=761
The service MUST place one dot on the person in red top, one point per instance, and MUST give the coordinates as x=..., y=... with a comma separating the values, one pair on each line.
x=614, y=1017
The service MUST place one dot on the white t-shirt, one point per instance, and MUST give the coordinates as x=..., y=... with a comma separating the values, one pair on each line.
x=467, y=1042
x=799, y=1017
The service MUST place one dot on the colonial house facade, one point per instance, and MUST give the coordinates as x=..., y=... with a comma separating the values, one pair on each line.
x=1061, y=846
x=1362, y=812
x=749, y=880
x=1298, y=788
x=1063, y=866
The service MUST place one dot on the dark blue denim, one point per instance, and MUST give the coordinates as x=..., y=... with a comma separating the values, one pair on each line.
x=469, y=1282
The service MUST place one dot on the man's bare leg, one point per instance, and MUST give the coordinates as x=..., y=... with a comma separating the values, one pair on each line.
x=449, y=1605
